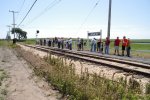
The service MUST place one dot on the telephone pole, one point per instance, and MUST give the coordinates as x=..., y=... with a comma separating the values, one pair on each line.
x=109, y=19
x=13, y=20
x=9, y=28
x=8, y=34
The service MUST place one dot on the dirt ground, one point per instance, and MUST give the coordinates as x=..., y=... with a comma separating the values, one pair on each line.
x=22, y=84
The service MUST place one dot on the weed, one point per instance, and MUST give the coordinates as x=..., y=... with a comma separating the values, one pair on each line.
x=3, y=91
x=148, y=88
x=83, y=86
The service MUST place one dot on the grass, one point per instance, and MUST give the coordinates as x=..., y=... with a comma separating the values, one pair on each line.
x=140, y=46
x=10, y=43
x=3, y=91
x=30, y=41
x=141, y=40
x=2, y=42
x=148, y=88
x=90, y=86
x=84, y=86
x=7, y=44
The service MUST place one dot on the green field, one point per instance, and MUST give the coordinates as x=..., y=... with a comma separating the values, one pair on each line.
x=140, y=46
x=30, y=41
x=141, y=40
x=1, y=42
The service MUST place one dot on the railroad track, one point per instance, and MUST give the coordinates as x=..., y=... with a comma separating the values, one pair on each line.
x=125, y=65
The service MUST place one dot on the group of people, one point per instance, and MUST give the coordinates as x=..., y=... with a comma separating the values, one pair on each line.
x=96, y=45
x=125, y=46
x=99, y=44
x=59, y=42
x=80, y=44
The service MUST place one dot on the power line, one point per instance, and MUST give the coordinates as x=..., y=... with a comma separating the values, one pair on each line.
x=51, y=5
x=21, y=8
x=27, y=12
x=88, y=15
x=22, y=5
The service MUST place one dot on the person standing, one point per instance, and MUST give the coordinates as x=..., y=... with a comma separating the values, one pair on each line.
x=82, y=42
x=107, y=42
x=49, y=43
x=40, y=41
x=58, y=42
x=79, y=44
x=91, y=45
x=124, y=44
x=53, y=42
x=94, y=45
x=70, y=44
x=116, y=45
x=128, y=47
x=62, y=43
x=102, y=46
x=99, y=45
x=66, y=43
x=44, y=42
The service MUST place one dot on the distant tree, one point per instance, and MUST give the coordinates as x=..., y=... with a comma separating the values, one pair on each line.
x=19, y=33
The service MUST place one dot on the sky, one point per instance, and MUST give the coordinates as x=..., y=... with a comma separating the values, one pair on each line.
x=74, y=18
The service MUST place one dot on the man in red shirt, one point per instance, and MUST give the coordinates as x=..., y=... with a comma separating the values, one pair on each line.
x=116, y=45
x=124, y=44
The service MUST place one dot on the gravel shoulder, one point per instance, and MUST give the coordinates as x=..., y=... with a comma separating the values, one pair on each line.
x=22, y=84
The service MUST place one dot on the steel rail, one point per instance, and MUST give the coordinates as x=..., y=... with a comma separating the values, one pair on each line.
x=132, y=63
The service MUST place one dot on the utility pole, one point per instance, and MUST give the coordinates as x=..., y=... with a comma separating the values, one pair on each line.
x=13, y=21
x=9, y=29
x=8, y=34
x=109, y=19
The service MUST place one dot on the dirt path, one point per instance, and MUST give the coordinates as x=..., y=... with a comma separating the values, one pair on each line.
x=22, y=84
